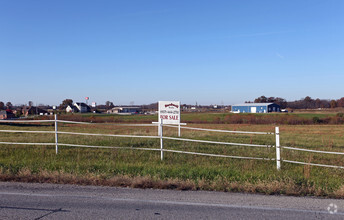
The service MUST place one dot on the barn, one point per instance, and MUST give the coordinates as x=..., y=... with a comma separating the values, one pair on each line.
x=256, y=108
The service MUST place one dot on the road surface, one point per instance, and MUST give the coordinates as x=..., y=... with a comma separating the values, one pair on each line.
x=51, y=201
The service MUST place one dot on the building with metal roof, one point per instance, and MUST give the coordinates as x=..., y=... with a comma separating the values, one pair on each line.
x=256, y=108
x=125, y=110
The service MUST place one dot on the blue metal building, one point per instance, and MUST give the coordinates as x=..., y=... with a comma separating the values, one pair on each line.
x=256, y=108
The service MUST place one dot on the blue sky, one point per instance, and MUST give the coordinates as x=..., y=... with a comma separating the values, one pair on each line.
x=209, y=52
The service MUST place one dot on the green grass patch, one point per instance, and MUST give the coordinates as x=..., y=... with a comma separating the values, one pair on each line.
x=218, y=118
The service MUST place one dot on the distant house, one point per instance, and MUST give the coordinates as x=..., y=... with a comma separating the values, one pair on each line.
x=82, y=107
x=72, y=109
x=256, y=108
x=124, y=110
x=31, y=110
x=78, y=107
x=6, y=114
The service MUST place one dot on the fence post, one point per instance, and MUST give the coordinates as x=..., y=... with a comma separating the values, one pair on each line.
x=56, y=137
x=278, y=149
x=179, y=129
x=161, y=139
x=159, y=127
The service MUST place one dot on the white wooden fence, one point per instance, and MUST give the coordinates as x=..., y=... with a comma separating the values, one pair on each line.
x=162, y=137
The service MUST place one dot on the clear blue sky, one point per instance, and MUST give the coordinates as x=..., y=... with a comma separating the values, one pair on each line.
x=212, y=52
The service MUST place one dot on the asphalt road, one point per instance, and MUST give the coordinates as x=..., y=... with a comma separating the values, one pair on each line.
x=50, y=201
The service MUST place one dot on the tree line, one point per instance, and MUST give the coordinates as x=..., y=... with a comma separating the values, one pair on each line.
x=304, y=103
x=7, y=106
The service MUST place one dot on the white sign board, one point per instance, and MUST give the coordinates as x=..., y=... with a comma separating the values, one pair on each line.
x=169, y=111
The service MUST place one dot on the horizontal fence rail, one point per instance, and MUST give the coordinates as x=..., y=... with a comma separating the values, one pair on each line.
x=216, y=142
x=20, y=143
x=223, y=131
x=25, y=121
x=22, y=131
x=73, y=122
x=42, y=121
x=313, y=164
x=313, y=151
x=218, y=155
x=106, y=135
x=109, y=147
x=134, y=125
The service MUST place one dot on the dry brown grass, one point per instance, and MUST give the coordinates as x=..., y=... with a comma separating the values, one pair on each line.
x=339, y=193
x=320, y=111
x=60, y=177
x=273, y=187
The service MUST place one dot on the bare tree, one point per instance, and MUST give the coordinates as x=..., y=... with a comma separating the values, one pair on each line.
x=340, y=102
x=65, y=103
x=261, y=99
x=333, y=103
x=109, y=105
x=9, y=105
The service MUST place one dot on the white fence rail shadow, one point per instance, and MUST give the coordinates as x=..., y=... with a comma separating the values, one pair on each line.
x=160, y=136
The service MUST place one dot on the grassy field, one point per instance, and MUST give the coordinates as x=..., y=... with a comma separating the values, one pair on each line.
x=221, y=118
x=137, y=168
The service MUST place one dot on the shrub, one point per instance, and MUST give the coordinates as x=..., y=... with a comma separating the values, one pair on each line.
x=316, y=120
x=341, y=115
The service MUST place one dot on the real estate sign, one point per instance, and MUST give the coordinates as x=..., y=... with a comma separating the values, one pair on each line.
x=169, y=111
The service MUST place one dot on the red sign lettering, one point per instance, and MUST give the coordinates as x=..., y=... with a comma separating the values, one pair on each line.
x=173, y=117
x=164, y=117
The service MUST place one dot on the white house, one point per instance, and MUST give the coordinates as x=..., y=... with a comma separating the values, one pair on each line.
x=78, y=107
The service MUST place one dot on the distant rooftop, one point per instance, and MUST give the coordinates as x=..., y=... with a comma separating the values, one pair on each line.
x=127, y=107
x=254, y=104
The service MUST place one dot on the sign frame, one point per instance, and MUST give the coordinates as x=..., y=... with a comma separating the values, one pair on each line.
x=169, y=111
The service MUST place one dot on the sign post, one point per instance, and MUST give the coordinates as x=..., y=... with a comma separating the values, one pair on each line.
x=278, y=149
x=161, y=140
x=56, y=134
